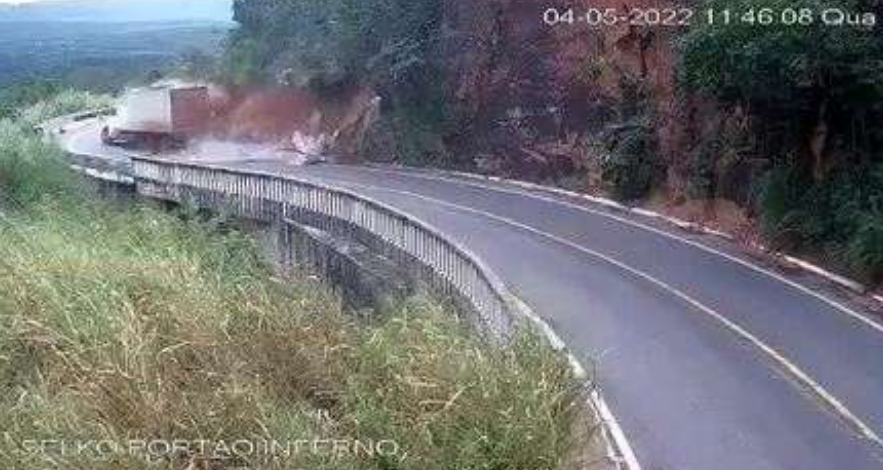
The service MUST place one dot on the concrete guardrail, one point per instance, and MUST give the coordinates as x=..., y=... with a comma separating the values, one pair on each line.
x=269, y=196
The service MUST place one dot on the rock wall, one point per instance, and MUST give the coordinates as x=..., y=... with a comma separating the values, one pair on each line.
x=537, y=91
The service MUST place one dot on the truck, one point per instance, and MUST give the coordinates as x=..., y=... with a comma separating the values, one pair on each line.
x=159, y=117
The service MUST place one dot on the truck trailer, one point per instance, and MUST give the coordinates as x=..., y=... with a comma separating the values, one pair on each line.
x=159, y=117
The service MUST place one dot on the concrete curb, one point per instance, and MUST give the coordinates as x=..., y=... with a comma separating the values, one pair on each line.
x=619, y=451
x=82, y=118
x=840, y=280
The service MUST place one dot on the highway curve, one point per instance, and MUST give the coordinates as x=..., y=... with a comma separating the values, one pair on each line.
x=708, y=360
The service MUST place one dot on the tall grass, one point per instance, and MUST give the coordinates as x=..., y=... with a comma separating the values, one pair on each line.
x=122, y=325
x=137, y=325
x=30, y=168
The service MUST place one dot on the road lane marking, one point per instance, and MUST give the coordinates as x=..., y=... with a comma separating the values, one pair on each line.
x=620, y=453
x=790, y=367
x=796, y=371
x=525, y=193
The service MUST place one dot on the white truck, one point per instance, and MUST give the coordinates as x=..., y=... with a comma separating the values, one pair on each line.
x=159, y=117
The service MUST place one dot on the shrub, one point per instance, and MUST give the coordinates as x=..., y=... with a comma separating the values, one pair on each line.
x=791, y=81
x=630, y=167
x=839, y=216
x=748, y=61
x=133, y=324
x=137, y=325
x=780, y=192
x=20, y=95
x=407, y=139
x=65, y=102
x=702, y=168
x=865, y=250
x=30, y=168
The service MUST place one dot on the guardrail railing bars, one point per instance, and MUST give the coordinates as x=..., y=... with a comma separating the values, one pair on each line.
x=254, y=193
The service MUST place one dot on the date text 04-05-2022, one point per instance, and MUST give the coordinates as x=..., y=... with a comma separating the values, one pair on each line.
x=674, y=17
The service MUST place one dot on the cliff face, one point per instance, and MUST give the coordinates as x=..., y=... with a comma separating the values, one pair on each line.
x=541, y=91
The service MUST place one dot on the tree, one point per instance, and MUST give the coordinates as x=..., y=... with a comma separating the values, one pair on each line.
x=813, y=88
x=390, y=45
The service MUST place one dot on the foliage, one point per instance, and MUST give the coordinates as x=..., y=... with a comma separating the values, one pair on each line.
x=30, y=169
x=810, y=94
x=702, y=163
x=33, y=169
x=63, y=103
x=792, y=78
x=865, y=250
x=385, y=41
x=121, y=324
x=20, y=95
x=629, y=167
x=133, y=324
x=406, y=138
x=630, y=164
x=103, y=57
x=780, y=64
x=241, y=62
x=839, y=216
x=390, y=45
x=720, y=164
x=779, y=196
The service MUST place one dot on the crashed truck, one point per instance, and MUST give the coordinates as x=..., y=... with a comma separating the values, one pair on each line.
x=159, y=117
x=294, y=123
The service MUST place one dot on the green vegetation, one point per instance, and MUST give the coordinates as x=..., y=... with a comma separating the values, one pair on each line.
x=630, y=167
x=840, y=217
x=392, y=45
x=21, y=95
x=24, y=176
x=31, y=168
x=102, y=57
x=33, y=102
x=136, y=325
x=809, y=96
x=120, y=324
x=63, y=103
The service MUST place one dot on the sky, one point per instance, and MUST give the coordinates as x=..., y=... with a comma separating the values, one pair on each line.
x=18, y=2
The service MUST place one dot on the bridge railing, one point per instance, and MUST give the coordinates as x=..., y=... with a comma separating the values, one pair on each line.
x=266, y=195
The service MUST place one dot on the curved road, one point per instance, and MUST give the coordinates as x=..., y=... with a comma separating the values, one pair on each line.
x=708, y=360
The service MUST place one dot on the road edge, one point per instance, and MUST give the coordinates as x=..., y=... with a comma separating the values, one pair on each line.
x=619, y=449
x=804, y=265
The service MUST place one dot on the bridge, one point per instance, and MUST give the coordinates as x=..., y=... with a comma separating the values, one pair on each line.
x=708, y=358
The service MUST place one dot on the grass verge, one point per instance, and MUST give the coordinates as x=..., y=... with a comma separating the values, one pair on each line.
x=131, y=338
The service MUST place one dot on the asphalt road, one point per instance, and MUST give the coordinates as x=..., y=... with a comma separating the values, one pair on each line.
x=707, y=360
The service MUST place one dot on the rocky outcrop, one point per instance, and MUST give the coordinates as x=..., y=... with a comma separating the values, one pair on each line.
x=538, y=91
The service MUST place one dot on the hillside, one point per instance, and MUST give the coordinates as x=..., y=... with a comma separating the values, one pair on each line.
x=118, y=10
x=762, y=127
x=102, y=56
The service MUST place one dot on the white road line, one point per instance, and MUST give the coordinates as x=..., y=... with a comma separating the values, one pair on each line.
x=843, y=281
x=790, y=367
x=619, y=450
x=805, y=290
x=617, y=434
